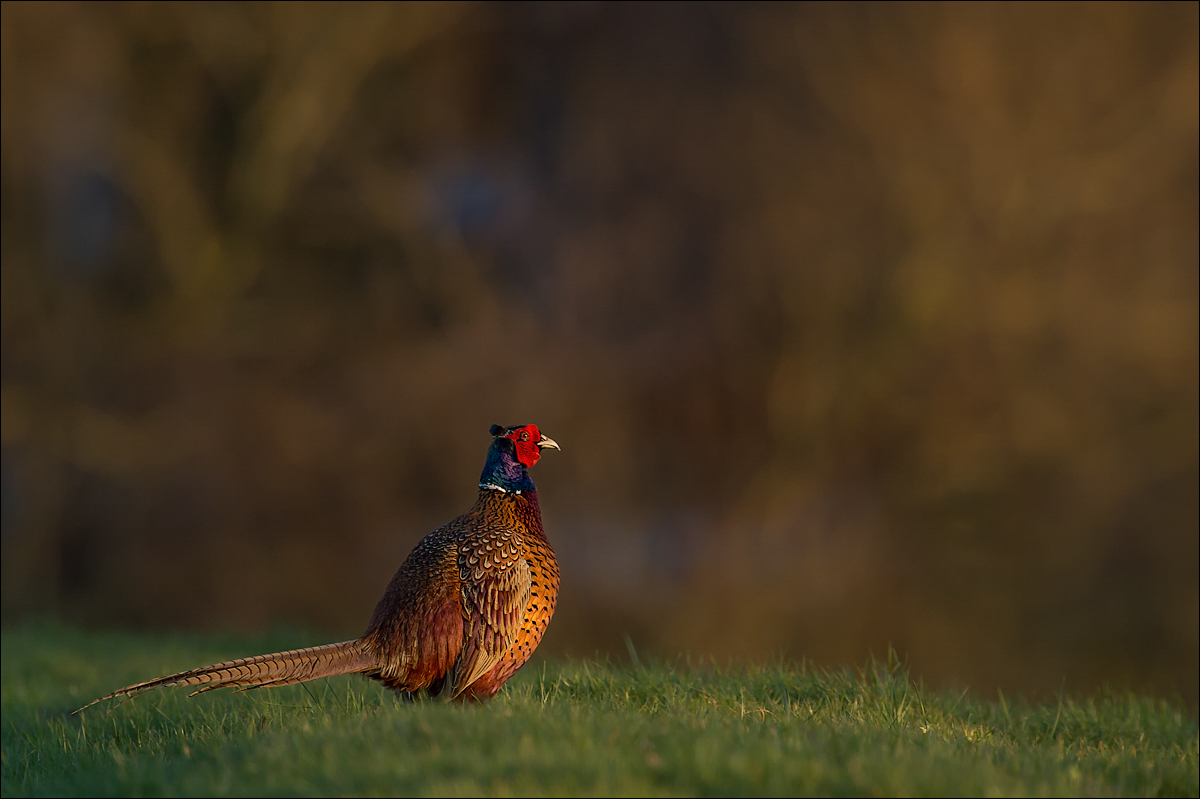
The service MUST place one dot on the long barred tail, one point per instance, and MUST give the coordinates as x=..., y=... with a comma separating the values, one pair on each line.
x=264, y=671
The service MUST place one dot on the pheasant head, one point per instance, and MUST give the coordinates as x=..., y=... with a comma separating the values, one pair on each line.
x=513, y=450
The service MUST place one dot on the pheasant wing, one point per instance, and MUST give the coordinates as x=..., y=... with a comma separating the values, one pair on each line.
x=495, y=592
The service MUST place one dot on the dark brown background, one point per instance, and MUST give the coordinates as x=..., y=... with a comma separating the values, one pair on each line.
x=859, y=325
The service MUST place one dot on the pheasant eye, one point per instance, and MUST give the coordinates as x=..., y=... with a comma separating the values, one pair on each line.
x=525, y=436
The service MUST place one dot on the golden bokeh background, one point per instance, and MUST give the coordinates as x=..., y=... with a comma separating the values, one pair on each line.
x=860, y=325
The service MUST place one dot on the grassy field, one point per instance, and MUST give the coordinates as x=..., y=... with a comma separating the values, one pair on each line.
x=574, y=728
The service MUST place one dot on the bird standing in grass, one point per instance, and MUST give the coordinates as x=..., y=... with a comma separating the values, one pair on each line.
x=464, y=612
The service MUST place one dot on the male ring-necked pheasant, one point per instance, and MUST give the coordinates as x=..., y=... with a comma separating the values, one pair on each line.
x=464, y=612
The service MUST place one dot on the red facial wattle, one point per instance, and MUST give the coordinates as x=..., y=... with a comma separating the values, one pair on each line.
x=525, y=441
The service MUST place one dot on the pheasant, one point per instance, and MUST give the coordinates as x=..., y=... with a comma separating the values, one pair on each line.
x=465, y=610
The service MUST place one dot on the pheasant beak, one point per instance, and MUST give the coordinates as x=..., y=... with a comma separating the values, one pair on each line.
x=549, y=442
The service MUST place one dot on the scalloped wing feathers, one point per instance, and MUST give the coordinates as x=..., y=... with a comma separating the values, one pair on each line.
x=496, y=583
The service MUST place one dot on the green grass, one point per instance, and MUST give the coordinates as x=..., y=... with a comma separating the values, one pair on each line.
x=573, y=728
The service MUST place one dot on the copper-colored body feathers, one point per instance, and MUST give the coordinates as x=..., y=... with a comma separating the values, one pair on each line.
x=470, y=604
x=463, y=613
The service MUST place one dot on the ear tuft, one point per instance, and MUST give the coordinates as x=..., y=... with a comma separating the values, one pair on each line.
x=497, y=430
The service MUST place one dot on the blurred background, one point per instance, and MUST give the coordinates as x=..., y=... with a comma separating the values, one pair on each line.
x=860, y=325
